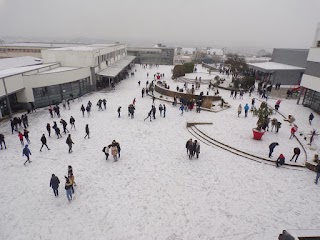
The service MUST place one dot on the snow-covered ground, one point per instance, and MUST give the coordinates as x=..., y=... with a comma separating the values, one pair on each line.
x=154, y=191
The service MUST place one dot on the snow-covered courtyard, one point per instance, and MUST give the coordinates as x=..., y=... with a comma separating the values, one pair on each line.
x=154, y=191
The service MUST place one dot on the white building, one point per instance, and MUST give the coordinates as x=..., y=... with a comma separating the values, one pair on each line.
x=311, y=77
x=181, y=59
x=66, y=73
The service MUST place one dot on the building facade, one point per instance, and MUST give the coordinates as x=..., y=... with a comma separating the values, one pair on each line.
x=286, y=66
x=33, y=49
x=66, y=73
x=155, y=55
x=311, y=78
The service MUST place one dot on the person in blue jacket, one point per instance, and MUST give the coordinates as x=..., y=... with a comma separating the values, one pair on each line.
x=26, y=152
x=246, y=109
x=181, y=108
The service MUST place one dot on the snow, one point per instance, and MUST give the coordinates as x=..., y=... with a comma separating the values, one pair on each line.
x=85, y=48
x=13, y=71
x=59, y=69
x=274, y=66
x=6, y=63
x=154, y=191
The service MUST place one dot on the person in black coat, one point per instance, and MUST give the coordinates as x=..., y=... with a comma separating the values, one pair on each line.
x=72, y=121
x=82, y=109
x=2, y=141
x=69, y=142
x=48, y=129
x=271, y=148
x=87, y=131
x=296, y=153
x=311, y=117
x=54, y=183
x=44, y=142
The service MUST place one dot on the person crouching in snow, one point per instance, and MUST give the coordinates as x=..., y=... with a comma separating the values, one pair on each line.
x=280, y=160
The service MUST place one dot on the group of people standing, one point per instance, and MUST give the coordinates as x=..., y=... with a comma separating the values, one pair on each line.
x=193, y=148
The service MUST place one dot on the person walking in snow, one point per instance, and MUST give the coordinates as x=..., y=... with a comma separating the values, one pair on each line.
x=142, y=92
x=318, y=173
x=311, y=117
x=69, y=142
x=296, y=153
x=246, y=109
x=271, y=148
x=160, y=109
x=280, y=161
x=20, y=135
x=54, y=184
x=82, y=109
x=88, y=108
x=44, y=142
x=188, y=143
x=104, y=101
x=139, y=82
x=56, y=129
x=68, y=189
x=119, y=111
x=293, y=130
x=181, y=108
x=277, y=105
x=71, y=178
x=106, y=151
x=114, y=152
x=26, y=135
x=48, y=129
x=164, y=110
x=118, y=147
x=72, y=121
x=50, y=111
x=239, y=109
x=153, y=111
x=87, y=131
x=149, y=115
x=64, y=125
x=26, y=152
x=196, y=148
x=2, y=141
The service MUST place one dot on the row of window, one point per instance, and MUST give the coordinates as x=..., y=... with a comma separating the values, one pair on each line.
x=20, y=50
x=51, y=95
x=108, y=56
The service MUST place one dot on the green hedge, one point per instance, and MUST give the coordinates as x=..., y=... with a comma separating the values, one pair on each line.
x=181, y=70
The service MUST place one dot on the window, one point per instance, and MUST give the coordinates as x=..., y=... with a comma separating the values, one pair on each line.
x=318, y=44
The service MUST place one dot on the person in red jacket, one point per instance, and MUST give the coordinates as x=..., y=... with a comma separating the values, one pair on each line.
x=280, y=160
x=293, y=130
x=20, y=135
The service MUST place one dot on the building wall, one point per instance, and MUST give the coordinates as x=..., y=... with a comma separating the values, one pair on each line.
x=288, y=77
x=50, y=79
x=294, y=57
x=12, y=51
x=13, y=84
x=160, y=56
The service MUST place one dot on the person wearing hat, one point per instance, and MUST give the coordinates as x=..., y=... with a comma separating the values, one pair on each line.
x=54, y=183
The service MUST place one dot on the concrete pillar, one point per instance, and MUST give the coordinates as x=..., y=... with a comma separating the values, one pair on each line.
x=93, y=79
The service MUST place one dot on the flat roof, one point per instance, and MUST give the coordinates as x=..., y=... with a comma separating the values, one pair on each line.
x=117, y=67
x=39, y=44
x=272, y=66
x=59, y=69
x=13, y=71
x=6, y=63
x=86, y=48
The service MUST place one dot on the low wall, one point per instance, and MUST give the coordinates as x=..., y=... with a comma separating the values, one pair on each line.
x=185, y=96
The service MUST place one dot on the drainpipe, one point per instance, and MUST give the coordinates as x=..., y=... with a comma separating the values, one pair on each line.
x=7, y=98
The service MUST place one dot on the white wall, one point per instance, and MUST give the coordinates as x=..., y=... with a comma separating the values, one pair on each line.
x=49, y=79
x=69, y=58
x=310, y=82
x=13, y=84
x=314, y=55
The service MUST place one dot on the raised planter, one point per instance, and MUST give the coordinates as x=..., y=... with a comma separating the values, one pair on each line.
x=257, y=135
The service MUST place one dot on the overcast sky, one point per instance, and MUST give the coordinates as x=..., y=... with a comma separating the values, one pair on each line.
x=223, y=23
